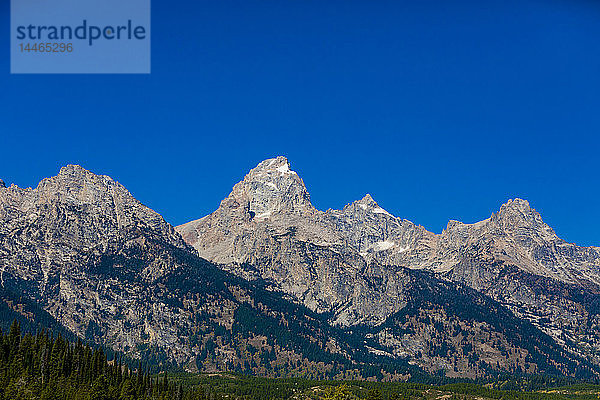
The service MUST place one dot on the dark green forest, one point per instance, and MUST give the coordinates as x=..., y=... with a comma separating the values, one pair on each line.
x=48, y=366
x=43, y=366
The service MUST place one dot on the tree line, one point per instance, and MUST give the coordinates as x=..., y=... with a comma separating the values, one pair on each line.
x=44, y=366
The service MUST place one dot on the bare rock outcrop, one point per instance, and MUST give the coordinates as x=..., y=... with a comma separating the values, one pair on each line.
x=348, y=262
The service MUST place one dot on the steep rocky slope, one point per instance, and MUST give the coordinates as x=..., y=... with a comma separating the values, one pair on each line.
x=267, y=228
x=345, y=262
x=296, y=291
x=81, y=252
x=71, y=220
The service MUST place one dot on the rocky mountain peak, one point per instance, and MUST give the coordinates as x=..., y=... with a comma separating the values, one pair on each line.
x=110, y=269
x=75, y=184
x=271, y=187
x=517, y=214
x=368, y=201
x=516, y=204
x=73, y=169
x=271, y=193
x=278, y=164
x=76, y=173
x=83, y=210
x=366, y=204
x=453, y=224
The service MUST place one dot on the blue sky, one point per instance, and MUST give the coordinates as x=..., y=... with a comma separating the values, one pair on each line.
x=440, y=111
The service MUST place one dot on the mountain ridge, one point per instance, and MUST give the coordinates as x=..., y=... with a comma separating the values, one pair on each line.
x=256, y=199
x=290, y=289
x=314, y=256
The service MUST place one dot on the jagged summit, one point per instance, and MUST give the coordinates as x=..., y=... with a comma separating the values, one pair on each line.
x=515, y=211
x=516, y=206
x=75, y=184
x=270, y=193
x=73, y=169
x=278, y=164
x=368, y=204
x=76, y=171
x=516, y=215
x=269, y=188
x=71, y=177
x=91, y=251
x=517, y=203
x=103, y=211
x=367, y=199
x=269, y=222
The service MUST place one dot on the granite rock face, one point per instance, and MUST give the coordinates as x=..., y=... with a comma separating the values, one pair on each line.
x=267, y=228
x=295, y=290
x=112, y=271
x=517, y=234
x=68, y=220
x=346, y=262
x=58, y=240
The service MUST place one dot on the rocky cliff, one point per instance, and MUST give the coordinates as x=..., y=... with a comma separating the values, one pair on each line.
x=346, y=262
x=291, y=290
x=80, y=252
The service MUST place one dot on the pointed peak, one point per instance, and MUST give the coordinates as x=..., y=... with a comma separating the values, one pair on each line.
x=367, y=203
x=367, y=199
x=73, y=178
x=516, y=206
x=272, y=170
x=76, y=173
x=73, y=170
x=73, y=167
x=517, y=203
x=271, y=187
x=518, y=212
x=278, y=164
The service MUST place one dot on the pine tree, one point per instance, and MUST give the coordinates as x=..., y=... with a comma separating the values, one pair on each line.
x=375, y=394
x=14, y=336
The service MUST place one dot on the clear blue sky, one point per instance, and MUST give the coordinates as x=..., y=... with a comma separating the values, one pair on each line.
x=440, y=111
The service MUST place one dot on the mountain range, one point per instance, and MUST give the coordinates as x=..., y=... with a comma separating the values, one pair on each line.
x=267, y=284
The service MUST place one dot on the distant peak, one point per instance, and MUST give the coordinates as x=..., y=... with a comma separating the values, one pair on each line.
x=270, y=187
x=517, y=202
x=74, y=178
x=73, y=169
x=516, y=205
x=367, y=199
x=518, y=213
x=2, y=184
x=367, y=203
x=277, y=164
